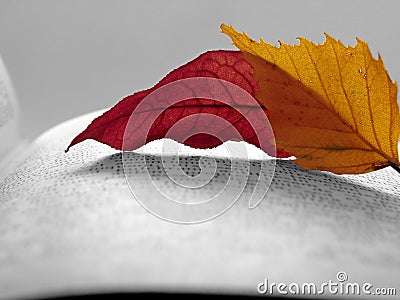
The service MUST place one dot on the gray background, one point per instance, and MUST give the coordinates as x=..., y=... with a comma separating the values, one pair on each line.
x=68, y=58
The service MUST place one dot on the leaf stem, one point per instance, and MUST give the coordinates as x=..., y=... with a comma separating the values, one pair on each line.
x=396, y=167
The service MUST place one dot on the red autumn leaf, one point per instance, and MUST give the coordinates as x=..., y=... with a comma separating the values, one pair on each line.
x=190, y=107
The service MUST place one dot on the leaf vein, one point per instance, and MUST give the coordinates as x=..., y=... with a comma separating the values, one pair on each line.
x=343, y=89
x=319, y=76
x=369, y=101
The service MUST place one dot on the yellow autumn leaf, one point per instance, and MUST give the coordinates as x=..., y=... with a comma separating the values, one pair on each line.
x=333, y=107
